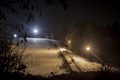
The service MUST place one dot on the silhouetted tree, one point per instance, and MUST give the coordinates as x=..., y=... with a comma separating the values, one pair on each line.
x=11, y=58
x=26, y=8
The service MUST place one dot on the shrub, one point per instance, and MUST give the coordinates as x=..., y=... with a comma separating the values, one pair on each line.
x=11, y=59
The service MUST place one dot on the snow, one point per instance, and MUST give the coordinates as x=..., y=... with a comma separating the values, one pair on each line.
x=43, y=58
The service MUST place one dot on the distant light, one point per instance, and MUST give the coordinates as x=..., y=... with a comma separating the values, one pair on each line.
x=88, y=48
x=15, y=35
x=69, y=41
x=35, y=31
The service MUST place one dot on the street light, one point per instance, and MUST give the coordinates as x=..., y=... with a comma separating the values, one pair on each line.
x=69, y=41
x=35, y=31
x=89, y=51
x=88, y=48
x=15, y=35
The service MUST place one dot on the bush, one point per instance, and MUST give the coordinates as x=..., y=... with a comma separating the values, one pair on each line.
x=11, y=59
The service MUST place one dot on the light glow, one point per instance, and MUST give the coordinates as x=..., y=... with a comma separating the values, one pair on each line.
x=69, y=42
x=35, y=31
x=15, y=35
x=88, y=48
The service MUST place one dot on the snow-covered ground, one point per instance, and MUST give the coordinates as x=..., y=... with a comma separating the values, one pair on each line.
x=43, y=58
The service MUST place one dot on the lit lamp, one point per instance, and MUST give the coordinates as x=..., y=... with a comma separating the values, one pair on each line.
x=69, y=44
x=88, y=48
x=69, y=41
x=15, y=35
x=35, y=31
x=88, y=51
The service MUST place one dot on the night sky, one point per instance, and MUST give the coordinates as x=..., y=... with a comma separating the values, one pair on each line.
x=79, y=11
x=100, y=11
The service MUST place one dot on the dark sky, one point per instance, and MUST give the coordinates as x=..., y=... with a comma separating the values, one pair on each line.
x=100, y=11
x=103, y=12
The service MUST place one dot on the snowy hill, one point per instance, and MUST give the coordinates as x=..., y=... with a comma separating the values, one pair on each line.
x=45, y=56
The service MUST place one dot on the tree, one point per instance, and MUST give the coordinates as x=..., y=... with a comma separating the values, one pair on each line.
x=11, y=59
x=26, y=8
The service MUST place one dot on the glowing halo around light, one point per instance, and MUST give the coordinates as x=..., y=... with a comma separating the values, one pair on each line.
x=88, y=48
